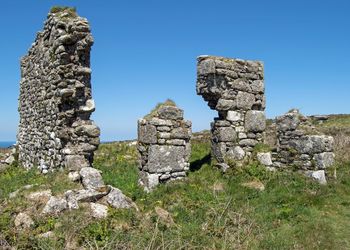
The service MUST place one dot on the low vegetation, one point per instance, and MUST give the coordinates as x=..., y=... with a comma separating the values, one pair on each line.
x=208, y=210
x=154, y=111
x=338, y=126
x=70, y=11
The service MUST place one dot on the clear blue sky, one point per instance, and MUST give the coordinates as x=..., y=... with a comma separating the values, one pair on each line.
x=145, y=52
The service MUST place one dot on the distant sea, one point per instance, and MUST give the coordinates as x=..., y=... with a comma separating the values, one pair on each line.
x=6, y=144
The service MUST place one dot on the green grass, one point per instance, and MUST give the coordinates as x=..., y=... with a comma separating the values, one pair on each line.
x=57, y=9
x=211, y=210
x=70, y=12
x=154, y=111
x=337, y=121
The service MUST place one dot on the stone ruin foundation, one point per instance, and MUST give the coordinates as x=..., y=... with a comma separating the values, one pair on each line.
x=234, y=88
x=164, y=145
x=301, y=147
x=55, y=101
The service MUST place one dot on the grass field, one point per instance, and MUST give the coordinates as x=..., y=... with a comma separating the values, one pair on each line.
x=208, y=210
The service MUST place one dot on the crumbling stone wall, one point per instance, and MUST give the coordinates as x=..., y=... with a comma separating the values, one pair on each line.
x=55, y=101
x=164, y=145
x=297, y=148
x=235, y=88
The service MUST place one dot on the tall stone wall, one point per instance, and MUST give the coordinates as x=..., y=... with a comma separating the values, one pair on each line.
x=234, y=88
x=55, y=101
x=164, y=145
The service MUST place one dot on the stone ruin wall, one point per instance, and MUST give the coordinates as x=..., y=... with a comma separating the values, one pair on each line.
x=234, y=88
x=298, y=145
x=55, y=100
x=164, y=146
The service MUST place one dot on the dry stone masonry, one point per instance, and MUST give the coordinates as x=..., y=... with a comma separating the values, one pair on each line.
x=235, y=88
x=55, y=106
x=300, y=147
x=55, y=100
x=164, y=145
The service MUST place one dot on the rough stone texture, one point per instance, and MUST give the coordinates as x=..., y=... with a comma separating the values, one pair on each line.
x=73, y=197
x=164, y=146
x=318, y=175
x=55, y=101
x=40, y=196
x=98, y=211
x=117, y=199
x=297, y=148
x=91, y=178
x=264, y=158
x=55, y=205
x=74, y=176
x=23, y=221
x=235, y=88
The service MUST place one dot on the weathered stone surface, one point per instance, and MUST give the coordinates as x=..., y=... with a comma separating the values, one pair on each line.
x=244, y=100
x=23, y=221
x=160, y=122
x=255, y=121
x=180, y=133
x=235, y=88
x=76, y=162
x=170, y=113
x=55, y=205
x=237, y=153
x=219, y=151
x=40, y=196
x=165, y=159
x=296, y=147
x=225, y=104
x=72, y=201
x=264, y=159
x=55, y=93
x=117, y=199
x=90, y=130
x=91, y=178
x=289, y=121
x=324, y=160
x=234, y=116
x=225, y=134
x=314, y=144
x=148, y=181
x=147, y=133
x=240, y=84
x=84, y=195
x=248, y=142
x=257, y=86
x=164, y=145
x=318, y=175
x=206, y=67
x=74, y=176
x=98, y=211
x=10, y=160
